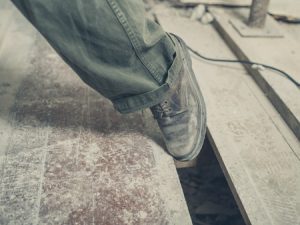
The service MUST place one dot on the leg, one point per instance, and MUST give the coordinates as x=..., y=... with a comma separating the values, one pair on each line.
x=130, y=60
x=111, y=45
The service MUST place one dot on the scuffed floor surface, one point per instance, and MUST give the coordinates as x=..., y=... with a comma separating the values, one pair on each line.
x=68, y=158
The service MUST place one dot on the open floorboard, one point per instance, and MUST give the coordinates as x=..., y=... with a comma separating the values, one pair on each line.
x=255, y=148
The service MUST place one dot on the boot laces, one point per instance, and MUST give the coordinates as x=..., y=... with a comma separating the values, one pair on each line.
x=162, y=109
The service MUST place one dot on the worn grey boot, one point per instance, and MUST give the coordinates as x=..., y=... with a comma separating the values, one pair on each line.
x=182, y=116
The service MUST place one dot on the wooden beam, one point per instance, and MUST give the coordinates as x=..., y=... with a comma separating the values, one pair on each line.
x=259, y=162
x=283, y=53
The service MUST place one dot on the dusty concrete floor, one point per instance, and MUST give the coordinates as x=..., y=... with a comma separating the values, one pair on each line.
x=207, y=193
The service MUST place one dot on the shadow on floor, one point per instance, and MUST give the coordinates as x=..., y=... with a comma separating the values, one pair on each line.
x=207, y=193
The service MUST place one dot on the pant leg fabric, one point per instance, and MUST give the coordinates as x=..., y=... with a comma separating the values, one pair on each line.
x=111, y=45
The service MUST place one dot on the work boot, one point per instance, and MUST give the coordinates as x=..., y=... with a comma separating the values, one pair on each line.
x=182, y=115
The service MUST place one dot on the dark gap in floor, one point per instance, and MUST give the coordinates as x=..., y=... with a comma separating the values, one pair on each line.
x=207, y=193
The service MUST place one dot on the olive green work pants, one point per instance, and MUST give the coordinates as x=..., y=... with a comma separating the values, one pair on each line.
x=111, y=45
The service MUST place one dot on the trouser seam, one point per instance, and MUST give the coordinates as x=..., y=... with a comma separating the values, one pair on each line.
x=134, y=41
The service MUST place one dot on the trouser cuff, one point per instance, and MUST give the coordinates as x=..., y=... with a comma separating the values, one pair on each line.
x=149, y=99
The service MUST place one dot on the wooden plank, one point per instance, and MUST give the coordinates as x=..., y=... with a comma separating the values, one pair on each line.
x=259, y=163
x=13, y=67
x=293, y=30
x=67, y=157
x=219, y=2
x=287, y=7
x=282, y=93
x=277, y=7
